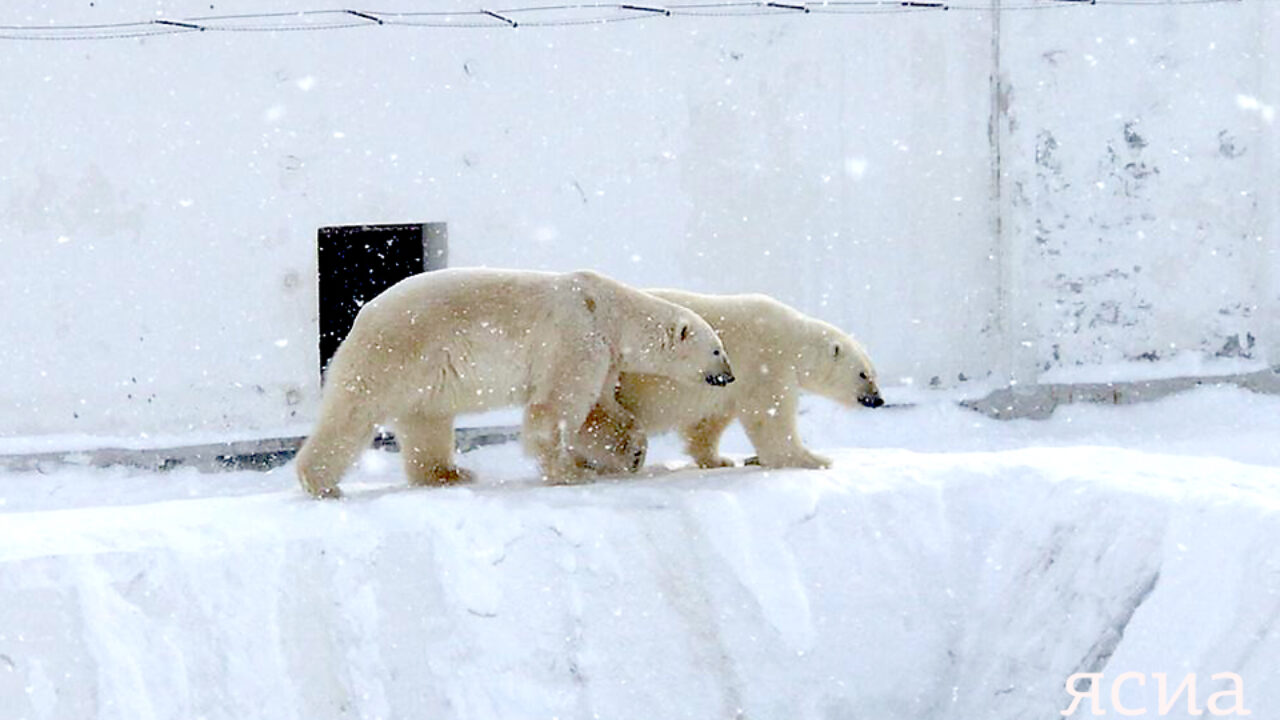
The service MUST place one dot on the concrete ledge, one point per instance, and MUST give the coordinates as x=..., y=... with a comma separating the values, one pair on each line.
x=263, y=454
x=1039, y=401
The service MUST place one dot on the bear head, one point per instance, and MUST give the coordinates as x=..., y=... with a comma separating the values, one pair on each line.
x=678, y=344
x=836, y=366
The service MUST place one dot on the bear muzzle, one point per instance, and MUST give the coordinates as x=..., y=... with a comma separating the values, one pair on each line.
x=719, y=379
x=872, y=400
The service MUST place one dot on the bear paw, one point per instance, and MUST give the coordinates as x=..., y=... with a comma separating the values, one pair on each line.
x=318, y=490
x=815, y=462
x=802, y=459
x=324, y=493
x=562, y=469
x=443, y=475
x=579, y=477
x=715, y=461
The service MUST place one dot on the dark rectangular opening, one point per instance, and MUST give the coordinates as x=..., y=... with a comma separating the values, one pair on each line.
x=356, y=262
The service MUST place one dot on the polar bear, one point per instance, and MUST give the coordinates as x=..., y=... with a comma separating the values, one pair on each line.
x=466, y=340
x=778, y=352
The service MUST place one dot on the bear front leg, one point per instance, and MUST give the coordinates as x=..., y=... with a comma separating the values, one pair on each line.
x=426, y=445
x=558, y=409
x=610, y=443
x=546, y=434
x=702, y=441
x=610, y=440
x=771, y=426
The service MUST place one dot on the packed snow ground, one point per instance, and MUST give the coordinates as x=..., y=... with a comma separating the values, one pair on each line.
x=947, y=566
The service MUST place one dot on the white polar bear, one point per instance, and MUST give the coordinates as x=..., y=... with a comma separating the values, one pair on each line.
x=465, y=340
x=777, y=353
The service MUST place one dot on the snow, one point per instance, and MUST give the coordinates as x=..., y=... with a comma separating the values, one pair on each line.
x=947, y=566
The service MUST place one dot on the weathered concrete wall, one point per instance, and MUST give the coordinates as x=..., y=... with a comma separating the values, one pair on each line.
x=1139, y=170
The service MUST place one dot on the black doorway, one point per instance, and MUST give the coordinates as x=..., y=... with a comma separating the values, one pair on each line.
x=356, y=262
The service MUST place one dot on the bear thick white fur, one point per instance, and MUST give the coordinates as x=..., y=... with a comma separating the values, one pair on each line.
x=465, y=340
x=777, y=353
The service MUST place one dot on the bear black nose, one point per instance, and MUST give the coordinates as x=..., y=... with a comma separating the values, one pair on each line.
x=871, y=401
x=720, y=379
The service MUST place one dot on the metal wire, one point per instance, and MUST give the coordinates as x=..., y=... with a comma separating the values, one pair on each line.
x=540, y=16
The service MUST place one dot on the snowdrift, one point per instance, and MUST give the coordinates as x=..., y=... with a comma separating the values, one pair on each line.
x=906, y=582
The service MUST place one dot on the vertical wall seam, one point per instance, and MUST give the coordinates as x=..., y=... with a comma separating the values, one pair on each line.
x=1015, y=357
x=1002, y=360
x=1267, y=207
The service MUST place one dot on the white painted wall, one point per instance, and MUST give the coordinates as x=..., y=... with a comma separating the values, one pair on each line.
x=159, y=198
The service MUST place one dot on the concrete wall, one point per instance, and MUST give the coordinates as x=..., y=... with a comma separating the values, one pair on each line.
x=160, y=197
x=1139, y=168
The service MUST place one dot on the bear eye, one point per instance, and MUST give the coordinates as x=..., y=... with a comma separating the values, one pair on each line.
x=684, y=332
x=716, y=353
x=835, y=351
x=862, y=375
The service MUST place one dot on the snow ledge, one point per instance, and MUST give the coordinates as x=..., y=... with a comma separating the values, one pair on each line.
x=899, y=584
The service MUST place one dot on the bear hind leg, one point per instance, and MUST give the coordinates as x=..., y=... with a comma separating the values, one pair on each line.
x=702, y=441
x=331, y=449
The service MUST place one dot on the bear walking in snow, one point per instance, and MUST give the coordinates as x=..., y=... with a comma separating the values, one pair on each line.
x=465, y=340
x=777, y=351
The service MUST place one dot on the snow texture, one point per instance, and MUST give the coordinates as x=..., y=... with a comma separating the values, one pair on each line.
x=947, y=566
